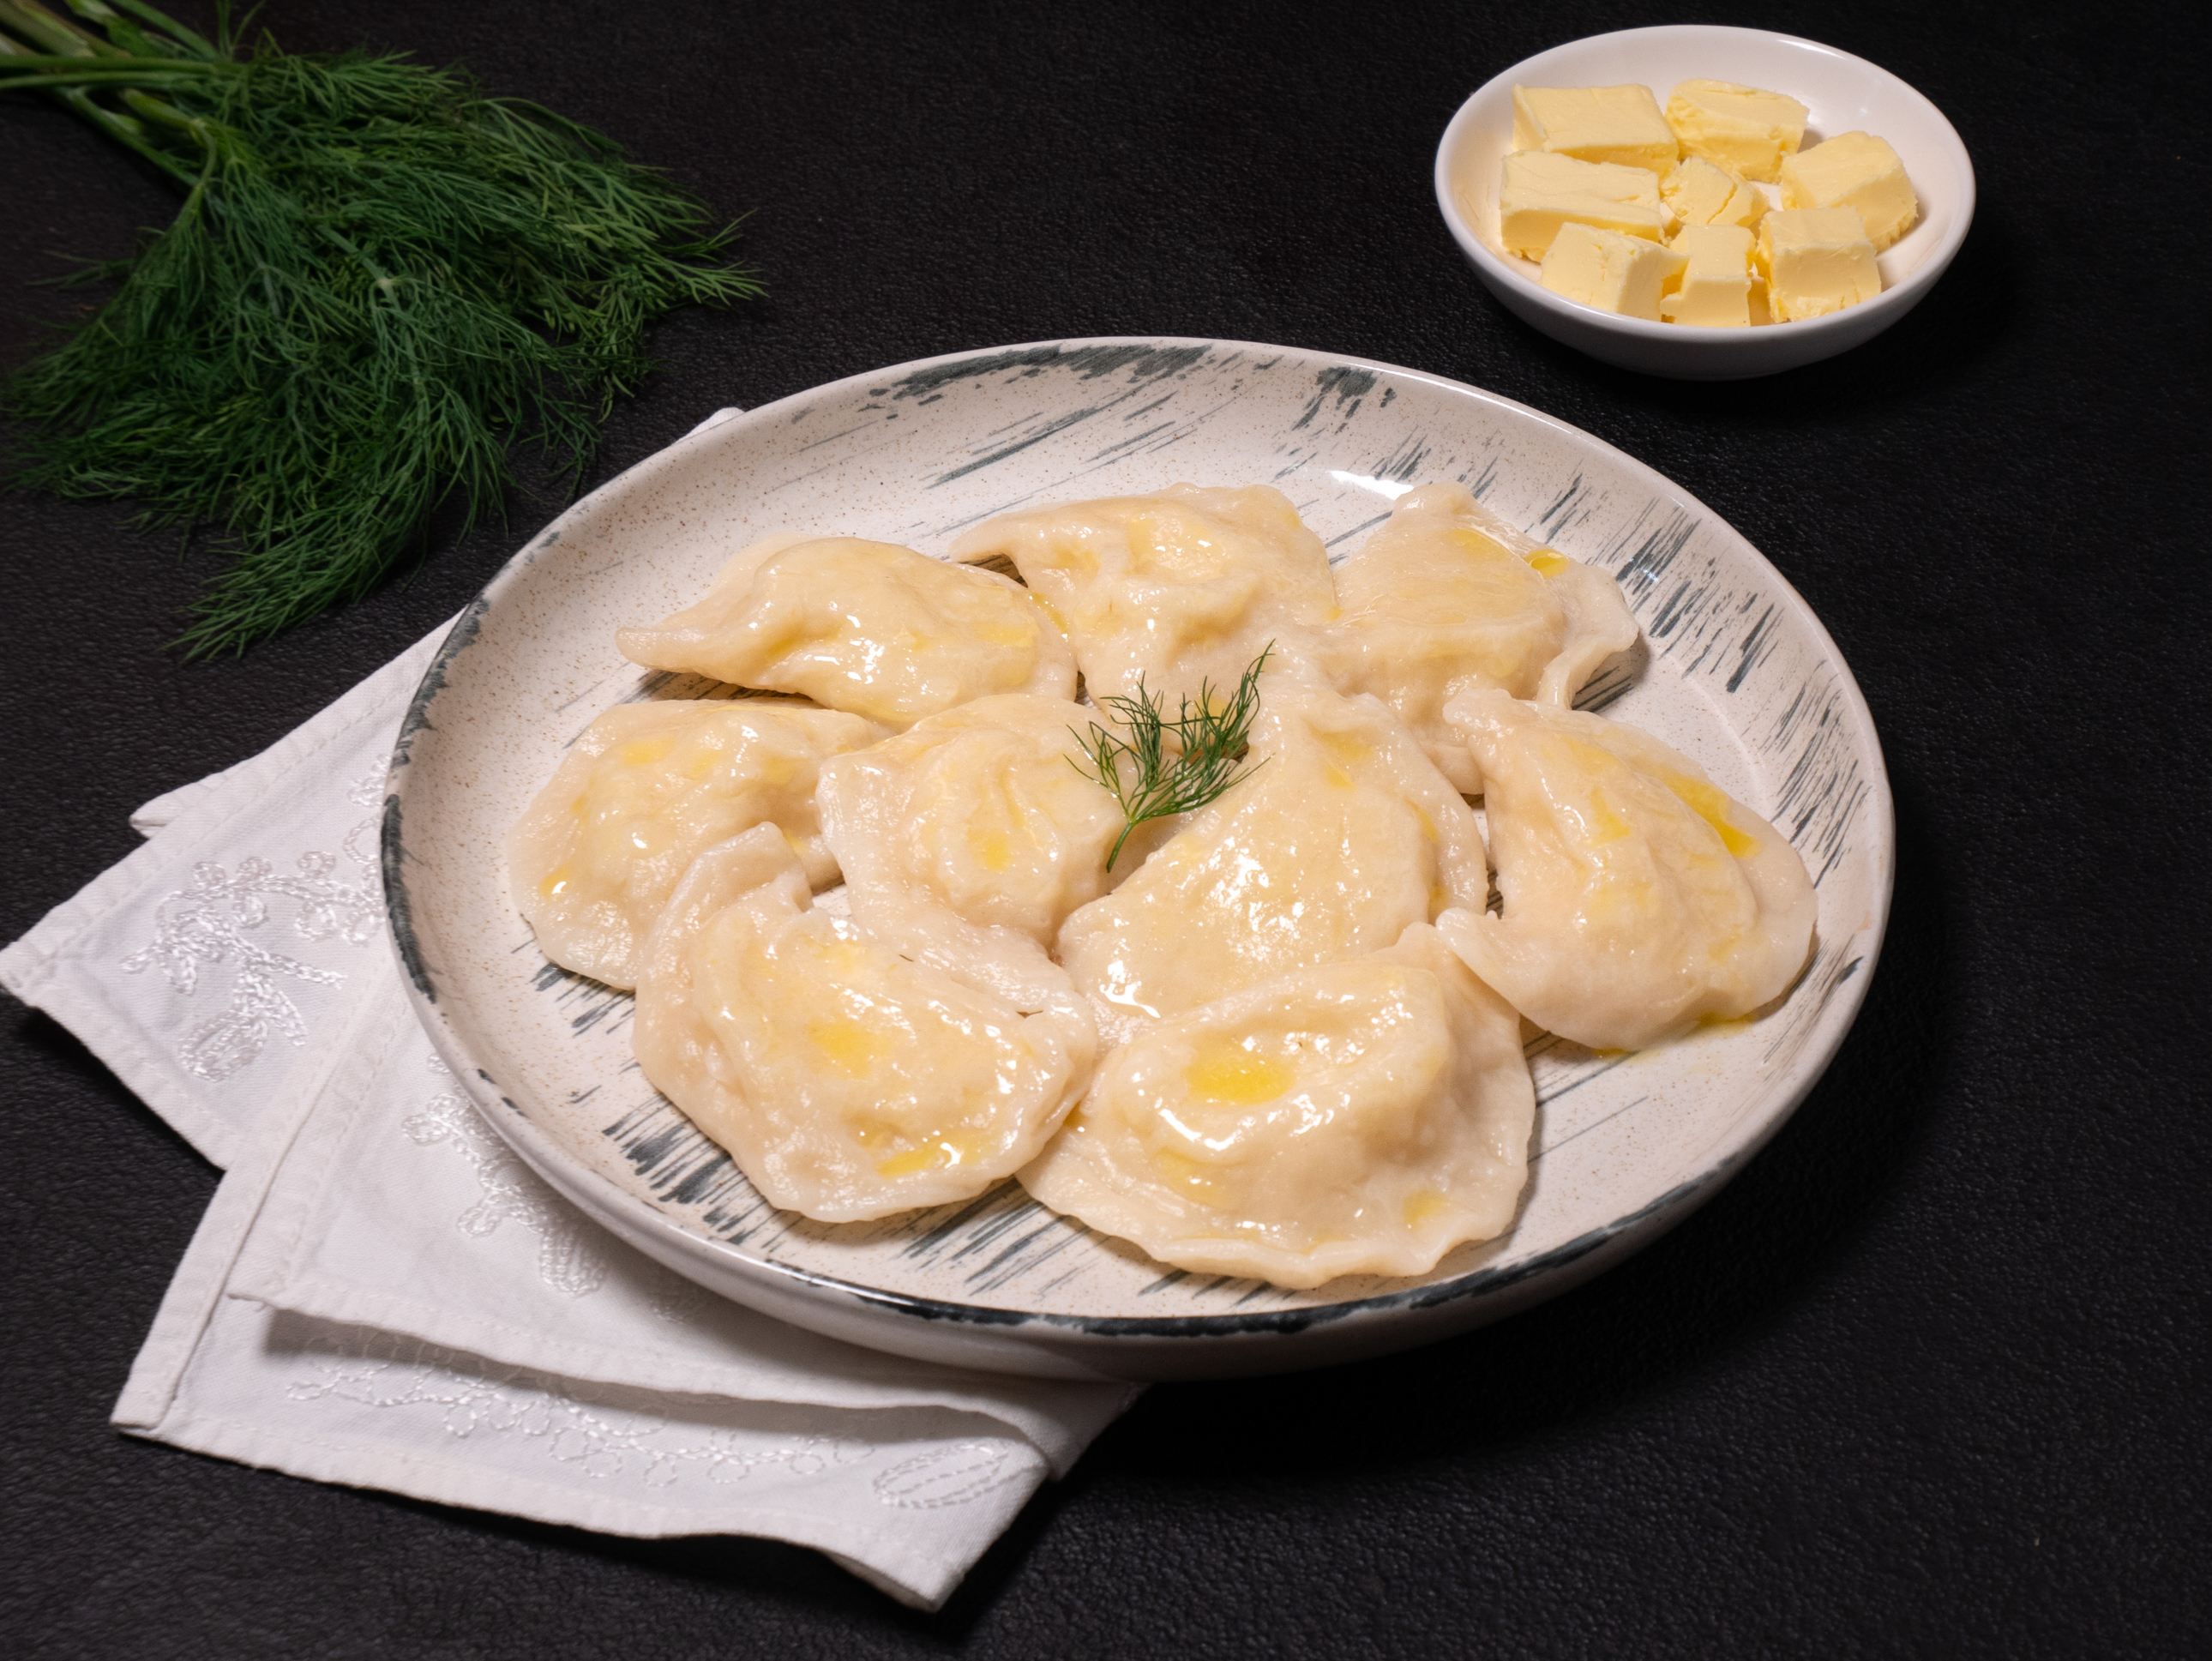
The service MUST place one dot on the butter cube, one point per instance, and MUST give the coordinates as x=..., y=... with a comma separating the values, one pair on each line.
x=1701, y=193
x=1594, y=124
x=1613, y=273
x=1714, y=291
x=1853, y=170
x=1552, y=174
x=1814, y=261
x=1540, y=191
x=1743, y=129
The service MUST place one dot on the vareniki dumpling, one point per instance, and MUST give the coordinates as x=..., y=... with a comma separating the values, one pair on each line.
x=966, y=840
x=1638, y=898
x=1435, y=602
x=646, y=787
x=1182, y=590
x=1353, y=1118
x=1340, y=834
x=867, y=627
x=674, y=1046
x=1281, y=1037
x=846, y=1081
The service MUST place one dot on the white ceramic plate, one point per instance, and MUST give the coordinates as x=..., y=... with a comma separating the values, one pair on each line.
x=1845, y=94
x=1739, y=674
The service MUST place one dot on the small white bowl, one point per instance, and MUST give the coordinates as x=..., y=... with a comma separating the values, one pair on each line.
x=1845, y=94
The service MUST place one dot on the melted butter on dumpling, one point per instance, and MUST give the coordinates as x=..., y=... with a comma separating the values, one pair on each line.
x=1438, y=600
x=967, y=839
x=1638, y=898
x=1355, y=1118
x=867, y=627
x=645, y=789
x=673, y=1044
x=1184, y=589
x=1339, y=835
x=846, y=1081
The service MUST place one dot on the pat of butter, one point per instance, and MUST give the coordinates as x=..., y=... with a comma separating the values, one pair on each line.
x=1540, y=191
x=1743, y=129
x=1853, y=170
x=1815, y=261
x=1613, y=273
x=1594, y=124
x=1714, y=291
x=1701, y=193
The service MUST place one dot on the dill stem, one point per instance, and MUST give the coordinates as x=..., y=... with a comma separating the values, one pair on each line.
x=169, y=116
x=1115, y=852
x=128, y=132
x=124, y=129
x=146, y=14
x=156, y=109
x=70, y=66
x=58, y=84
x=34, y=22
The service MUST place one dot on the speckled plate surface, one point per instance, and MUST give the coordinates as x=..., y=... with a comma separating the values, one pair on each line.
x=1736, y=671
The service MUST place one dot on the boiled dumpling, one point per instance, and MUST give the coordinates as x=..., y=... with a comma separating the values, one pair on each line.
x=1184, y=589
x=645, y=789
x=1638, y=898
x=846, y=1081
x=966, y=840
x=1354, y=1118
x=674, y=1046
x=1599, y=625
x=1437, y=602
x=867, y=627
x=1339, y=835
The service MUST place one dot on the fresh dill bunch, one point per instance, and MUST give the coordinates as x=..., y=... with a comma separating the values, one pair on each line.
x=381, y=279
x=1203, y=759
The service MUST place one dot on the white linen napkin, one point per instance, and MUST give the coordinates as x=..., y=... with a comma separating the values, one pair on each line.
x=382, y=1295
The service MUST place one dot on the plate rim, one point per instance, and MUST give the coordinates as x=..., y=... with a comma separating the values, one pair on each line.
x=597, y=1193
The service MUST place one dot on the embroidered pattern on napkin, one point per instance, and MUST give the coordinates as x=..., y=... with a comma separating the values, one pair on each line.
x=382, y=1295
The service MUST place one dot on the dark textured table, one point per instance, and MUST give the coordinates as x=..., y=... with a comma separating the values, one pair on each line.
x=1929, y=1378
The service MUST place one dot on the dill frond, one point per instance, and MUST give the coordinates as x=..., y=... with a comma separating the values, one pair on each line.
x=1163, y=778
x=380, y=280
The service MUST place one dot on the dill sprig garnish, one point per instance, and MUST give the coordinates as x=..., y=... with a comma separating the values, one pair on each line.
x=379, y=280
x=1203, y=760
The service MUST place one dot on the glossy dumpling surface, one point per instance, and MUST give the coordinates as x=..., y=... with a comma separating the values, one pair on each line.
x=674, y=1046
x=645, y=788
x=967, y=839
x=1340, y=834
x=1355, y=1118
x=1435, y=601
x=1184, y=589
x=867, y=627
x=846, y=1081
x=1638, y=898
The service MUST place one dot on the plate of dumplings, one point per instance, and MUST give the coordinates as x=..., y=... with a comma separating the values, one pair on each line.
x=1138, y=858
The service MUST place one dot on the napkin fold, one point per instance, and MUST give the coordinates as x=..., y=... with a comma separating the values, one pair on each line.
x=382, y=1294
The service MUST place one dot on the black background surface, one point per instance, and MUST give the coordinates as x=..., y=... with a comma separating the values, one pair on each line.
x=1929, y=1378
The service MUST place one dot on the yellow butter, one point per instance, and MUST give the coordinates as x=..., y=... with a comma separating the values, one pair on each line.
x=1815, y=261
x=1544, y=173
x=1613, y=273
x=1714, y=290
x=1594, y=124
x=1701, y=193
x=1539, y=192
x=1744, y=129
x=1853, y=170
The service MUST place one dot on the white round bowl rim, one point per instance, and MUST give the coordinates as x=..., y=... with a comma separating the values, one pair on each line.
x=1900, y=297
